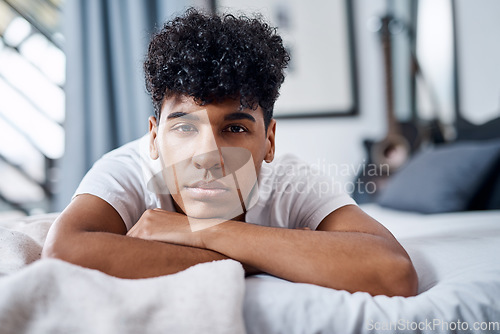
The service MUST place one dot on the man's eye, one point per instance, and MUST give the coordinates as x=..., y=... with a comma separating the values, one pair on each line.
x=235, y=129
x=184, y=128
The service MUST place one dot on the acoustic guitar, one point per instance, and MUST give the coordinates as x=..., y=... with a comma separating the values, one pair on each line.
x=386, y=156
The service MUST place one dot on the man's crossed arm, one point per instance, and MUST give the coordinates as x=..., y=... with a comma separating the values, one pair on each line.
x=349, y=251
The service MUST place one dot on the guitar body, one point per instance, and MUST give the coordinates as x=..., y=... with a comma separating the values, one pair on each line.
x=382, y=157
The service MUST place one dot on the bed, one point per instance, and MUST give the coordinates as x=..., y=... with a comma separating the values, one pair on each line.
x=456, y=258
x=455, y=254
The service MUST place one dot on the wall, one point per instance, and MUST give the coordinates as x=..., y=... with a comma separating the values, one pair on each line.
x=478, y=59
x=338, y=140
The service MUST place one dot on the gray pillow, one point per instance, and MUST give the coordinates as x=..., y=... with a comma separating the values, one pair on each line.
x=488, y=196
x=441, y=179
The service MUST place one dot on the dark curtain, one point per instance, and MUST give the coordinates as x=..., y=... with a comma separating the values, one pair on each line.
x=106, y=100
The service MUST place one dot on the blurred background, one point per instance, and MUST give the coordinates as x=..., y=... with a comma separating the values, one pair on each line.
x=363, y=72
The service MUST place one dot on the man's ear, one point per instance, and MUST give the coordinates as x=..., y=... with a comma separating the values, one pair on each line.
x=270, y=143
x=153, y=132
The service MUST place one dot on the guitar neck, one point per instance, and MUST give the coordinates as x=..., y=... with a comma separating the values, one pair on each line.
x=392, y=125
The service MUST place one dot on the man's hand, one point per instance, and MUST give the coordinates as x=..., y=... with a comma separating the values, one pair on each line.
x=171, y=227
x=176, y=228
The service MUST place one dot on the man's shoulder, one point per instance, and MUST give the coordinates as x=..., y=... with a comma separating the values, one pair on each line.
x=287, y=159
x=132, y=157
x=129, y=164
x=135, y=150
x=287, y=166
x=134, y=162
x=124, y=178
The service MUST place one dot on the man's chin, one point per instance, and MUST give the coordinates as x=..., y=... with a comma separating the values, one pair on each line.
x=202, y=210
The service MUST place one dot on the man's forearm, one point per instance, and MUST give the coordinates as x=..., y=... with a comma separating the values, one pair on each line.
x=341, y=260
x=365, y=258
x=127, y=257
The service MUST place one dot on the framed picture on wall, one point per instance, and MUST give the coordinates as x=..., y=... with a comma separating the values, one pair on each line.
x=320, y=79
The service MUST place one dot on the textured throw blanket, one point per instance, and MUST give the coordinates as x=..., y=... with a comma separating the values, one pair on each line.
x=52, y=296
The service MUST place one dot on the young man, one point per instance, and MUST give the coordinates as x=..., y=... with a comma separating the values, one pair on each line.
x=196, y=189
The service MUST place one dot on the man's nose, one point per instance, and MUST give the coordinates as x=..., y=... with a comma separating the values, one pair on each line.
x=209, y=161
x=207, y=154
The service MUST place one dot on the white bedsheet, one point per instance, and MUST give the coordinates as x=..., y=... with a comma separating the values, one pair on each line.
x=457, y=260
x=456, y=257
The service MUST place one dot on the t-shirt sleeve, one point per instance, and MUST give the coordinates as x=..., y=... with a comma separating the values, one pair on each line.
x=313, y=205
x=308, y=196
x=115, y=178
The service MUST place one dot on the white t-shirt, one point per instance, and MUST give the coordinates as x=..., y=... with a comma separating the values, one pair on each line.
x=291, y=193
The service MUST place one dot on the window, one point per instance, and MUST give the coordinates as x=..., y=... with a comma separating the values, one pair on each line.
x=32, y=102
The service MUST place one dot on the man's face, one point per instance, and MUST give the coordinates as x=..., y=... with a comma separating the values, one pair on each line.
x=211, y=155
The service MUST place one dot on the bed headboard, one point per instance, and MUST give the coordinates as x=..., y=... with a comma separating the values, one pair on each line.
x=468, y=131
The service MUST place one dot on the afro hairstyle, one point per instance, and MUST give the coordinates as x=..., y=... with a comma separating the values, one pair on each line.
x=212, y=57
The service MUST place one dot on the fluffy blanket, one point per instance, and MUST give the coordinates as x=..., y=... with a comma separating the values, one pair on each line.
x=51, y=296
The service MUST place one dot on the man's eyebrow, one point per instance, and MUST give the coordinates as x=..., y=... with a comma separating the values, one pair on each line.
x=239, y=115
x=182, y=114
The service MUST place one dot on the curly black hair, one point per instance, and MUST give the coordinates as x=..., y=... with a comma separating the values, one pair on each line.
x=214, y=57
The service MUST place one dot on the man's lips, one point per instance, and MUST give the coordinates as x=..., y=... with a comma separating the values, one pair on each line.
x=203, y=189
x=208, y=185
